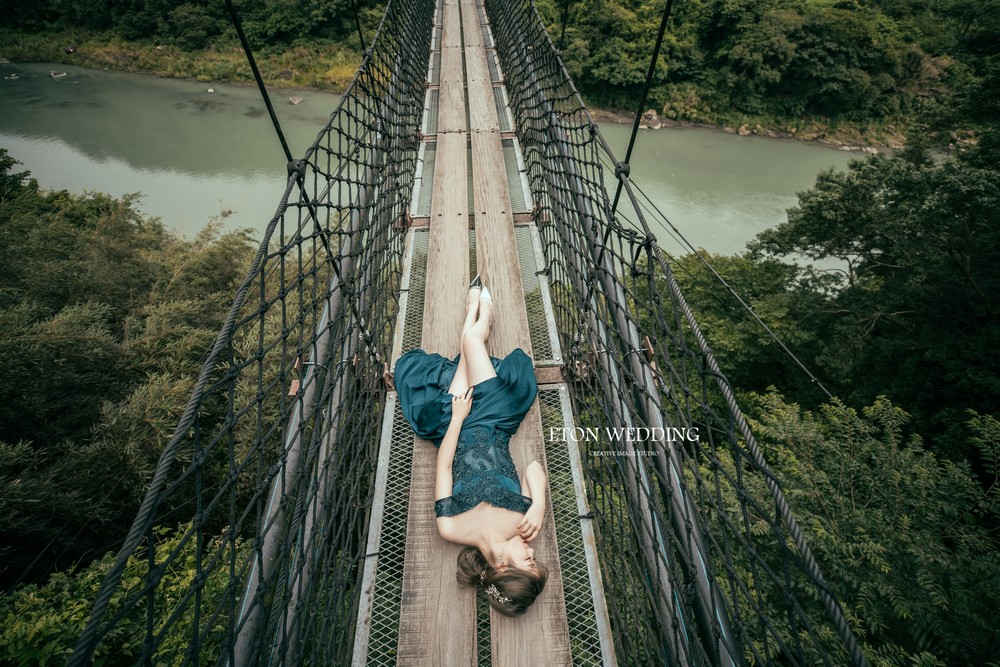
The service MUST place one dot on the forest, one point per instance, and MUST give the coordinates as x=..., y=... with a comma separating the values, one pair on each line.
x=896, y=480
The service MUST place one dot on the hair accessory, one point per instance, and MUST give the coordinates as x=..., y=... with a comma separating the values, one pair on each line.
x=492, y=591
x=482, y=577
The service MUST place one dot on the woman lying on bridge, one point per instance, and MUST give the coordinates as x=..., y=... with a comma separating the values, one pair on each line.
x=479, y=502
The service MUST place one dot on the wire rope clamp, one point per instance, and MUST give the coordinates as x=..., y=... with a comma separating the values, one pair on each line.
x=295, y=384
x=297, y=167
x=622, y=169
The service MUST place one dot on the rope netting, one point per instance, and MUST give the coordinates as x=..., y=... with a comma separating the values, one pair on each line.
x=252, y=536
x=702, y=560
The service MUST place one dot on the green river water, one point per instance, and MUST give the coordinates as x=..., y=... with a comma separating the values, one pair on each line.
x=192, y=153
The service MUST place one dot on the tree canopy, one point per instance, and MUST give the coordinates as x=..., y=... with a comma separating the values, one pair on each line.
x=105, y=318
x=722, y=60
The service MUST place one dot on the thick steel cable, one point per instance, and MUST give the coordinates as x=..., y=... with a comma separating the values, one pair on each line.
x=623, y=168
x=650, y=73
x=257, y=77
x=565, y=19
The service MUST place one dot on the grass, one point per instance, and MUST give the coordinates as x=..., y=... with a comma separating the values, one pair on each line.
x=319, y=65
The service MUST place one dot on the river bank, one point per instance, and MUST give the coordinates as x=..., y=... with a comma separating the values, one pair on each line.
x=194, y=153
x=324, y=66
x=867, y=140
x=329, y=67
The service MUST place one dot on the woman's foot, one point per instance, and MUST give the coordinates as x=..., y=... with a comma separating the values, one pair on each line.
x=485, y=321
x=472, y=300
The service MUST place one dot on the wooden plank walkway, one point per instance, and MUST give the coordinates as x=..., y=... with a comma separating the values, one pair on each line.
x=541, y=635
x=437, y=619
x=437, y=624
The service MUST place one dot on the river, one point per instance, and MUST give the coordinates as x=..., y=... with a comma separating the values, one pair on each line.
x=194, y=153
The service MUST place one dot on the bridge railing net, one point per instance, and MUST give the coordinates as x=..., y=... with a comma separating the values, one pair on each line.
x=250, y=543
x=701, y=559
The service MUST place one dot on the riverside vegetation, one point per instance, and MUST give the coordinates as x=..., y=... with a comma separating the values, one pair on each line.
x=105, y=318
x=847, y=71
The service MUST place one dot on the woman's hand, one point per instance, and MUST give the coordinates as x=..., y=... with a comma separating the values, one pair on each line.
x=461, y=405
x=532, y=521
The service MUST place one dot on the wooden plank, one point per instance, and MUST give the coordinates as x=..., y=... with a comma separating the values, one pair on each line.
x=549, y=375
x=482, y=109
x=541, y=635
x=451, y=93
x=437, y=620
x=451, y=29
x=437, y=617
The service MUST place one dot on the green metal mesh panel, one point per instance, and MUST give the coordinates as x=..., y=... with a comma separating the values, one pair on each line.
x=384, y=632
x=585, y=642
x=414, y=320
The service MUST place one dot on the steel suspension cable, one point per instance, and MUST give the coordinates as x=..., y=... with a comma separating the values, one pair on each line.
x=624, y=165
x=357, y=24
x=746, y=306
x=296, y=168
x=256, y=75
x=565, y=18
x=622, y=168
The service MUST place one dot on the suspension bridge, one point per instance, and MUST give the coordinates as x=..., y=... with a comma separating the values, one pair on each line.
x=301, y=500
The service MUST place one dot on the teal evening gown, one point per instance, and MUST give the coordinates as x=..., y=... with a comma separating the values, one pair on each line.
x=482, y=469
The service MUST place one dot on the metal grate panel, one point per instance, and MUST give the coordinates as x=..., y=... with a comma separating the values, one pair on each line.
x=390, y=549
x=491, y=63
x=538, y=321
x=519, y=198
x=503, y=112
x=586, y=614
x=434, y=73
x=413, y=320
x=425, y=174
x=485, y=648
x=431, y=111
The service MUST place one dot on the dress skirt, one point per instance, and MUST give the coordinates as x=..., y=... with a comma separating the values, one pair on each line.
x=422, y=380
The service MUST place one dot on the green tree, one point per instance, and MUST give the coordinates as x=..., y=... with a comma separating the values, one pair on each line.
x=105, y=318
x=915, y=317
x=39, y=625
x=902, y=535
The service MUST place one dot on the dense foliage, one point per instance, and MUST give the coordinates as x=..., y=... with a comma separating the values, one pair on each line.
x=905, y=538
x=105, y=318
x=191, y=24
x=39, y=625
x=907, y=307
x=799, y=65
x=303, y=45
x=725, y=61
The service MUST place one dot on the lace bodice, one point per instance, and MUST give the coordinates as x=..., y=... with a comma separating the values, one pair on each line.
x=483, y=470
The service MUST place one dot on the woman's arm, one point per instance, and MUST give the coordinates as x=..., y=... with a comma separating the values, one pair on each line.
x=460, y=407
x=537, y=482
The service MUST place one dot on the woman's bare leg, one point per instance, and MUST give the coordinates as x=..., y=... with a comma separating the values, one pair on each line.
x=477, y=359
x=460, y=383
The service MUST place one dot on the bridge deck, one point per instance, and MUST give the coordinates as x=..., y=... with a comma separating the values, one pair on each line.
x=438, y=622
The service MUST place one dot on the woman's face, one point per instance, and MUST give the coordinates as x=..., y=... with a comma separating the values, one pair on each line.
x=520, y=554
